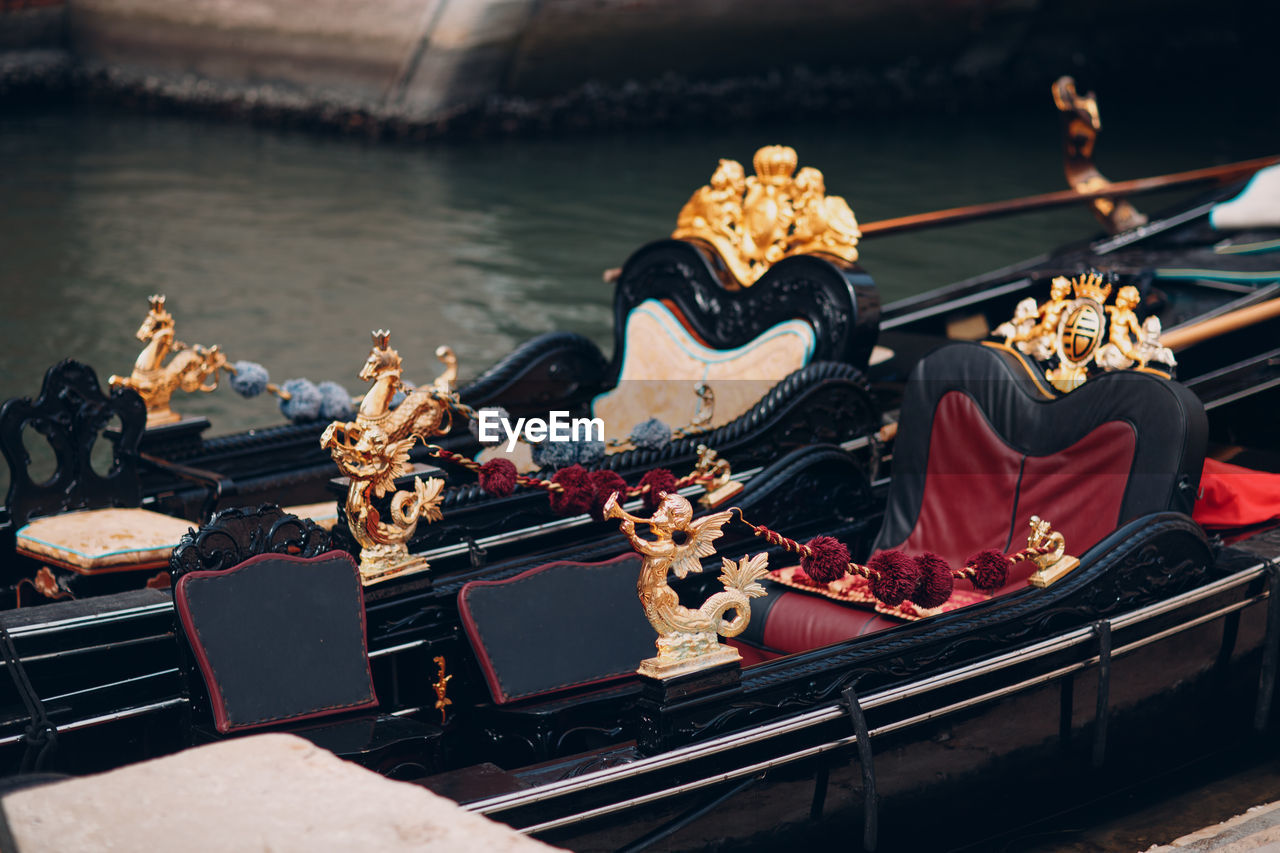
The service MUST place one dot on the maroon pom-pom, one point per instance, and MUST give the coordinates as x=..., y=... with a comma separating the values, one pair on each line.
x=990, y=569
x=498, y=477
x=576, y=497
x=658, y=480
x=893, y=576
x=829, y=560
x=936, y=582
x=603, y=484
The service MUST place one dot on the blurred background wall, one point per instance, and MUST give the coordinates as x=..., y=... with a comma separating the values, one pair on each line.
x=429, y=65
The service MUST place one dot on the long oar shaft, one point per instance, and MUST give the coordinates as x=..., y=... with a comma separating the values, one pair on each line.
x=1176, y=339
x=974, y=212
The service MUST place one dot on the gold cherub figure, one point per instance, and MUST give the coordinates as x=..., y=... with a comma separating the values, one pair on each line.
x=687, y=638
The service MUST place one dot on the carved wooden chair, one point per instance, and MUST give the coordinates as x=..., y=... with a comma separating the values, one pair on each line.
x=984, y=445
x=271, y=633
x=84, y=528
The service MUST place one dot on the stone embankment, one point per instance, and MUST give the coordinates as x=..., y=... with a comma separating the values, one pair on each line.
x=422, y=67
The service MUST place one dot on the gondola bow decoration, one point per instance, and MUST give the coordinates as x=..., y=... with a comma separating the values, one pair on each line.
x=373, y=450
x=754, y=222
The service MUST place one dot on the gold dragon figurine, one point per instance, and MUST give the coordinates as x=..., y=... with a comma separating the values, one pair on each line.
x=191, y=368
x=373, y=450
x=754, y=222
x=687, y=639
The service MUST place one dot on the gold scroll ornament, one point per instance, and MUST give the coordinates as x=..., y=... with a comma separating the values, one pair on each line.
x=687, y=639
x=373, y=450
x=754, y=222
x=191, y=368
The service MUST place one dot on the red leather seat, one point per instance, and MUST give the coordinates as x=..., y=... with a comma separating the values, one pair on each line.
x=982, y=446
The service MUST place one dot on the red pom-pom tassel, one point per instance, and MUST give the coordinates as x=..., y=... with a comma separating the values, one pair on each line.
x=989, y=570
x=603, y=484
x=498, y=477
x=658, y=480
x=893, y=576
x=828, y=560
x=936, y=581
x=576, y=495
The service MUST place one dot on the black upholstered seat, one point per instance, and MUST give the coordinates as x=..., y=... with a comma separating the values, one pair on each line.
x=277, y=639
x=983, y=445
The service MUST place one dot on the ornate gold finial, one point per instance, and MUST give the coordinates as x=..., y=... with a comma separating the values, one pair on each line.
x=441, y=687
x=754, y=222
x=1080, y=127
x=1066, y=335
x=373, y=450
x=1052, y=561
x=721, y=486
x=686, y=637
x=191, y=369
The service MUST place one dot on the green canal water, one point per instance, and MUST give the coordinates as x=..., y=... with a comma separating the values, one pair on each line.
x=287, y=248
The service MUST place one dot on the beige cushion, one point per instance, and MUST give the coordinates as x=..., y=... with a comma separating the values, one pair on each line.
x=272, y=792
x=103, y=540
x=663, y=362
x=324, y=513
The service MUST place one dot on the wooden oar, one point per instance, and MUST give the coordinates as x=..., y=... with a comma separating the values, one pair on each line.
x=974, y=212
x=1177, y=339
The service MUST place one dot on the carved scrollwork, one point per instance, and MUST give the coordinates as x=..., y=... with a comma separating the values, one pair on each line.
x=1160, y=556
x=71, y=413
x=234, y=535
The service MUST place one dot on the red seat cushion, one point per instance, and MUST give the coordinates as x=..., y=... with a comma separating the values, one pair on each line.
x=1232, y=496
x=980, y=492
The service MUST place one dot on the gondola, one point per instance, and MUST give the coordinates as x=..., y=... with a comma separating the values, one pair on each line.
x=824, y=710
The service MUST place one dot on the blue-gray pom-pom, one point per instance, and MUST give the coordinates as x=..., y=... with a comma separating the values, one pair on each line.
x=474, y=423
x=590, y=450
x=652, y=434
x=555, y=454
x=250, y=378
x=335, y=402
x=304, y=400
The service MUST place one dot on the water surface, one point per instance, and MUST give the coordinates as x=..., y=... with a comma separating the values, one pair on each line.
x=286, y=249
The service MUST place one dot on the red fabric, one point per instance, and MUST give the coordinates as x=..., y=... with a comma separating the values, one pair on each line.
x=976, y=487
x=970, y=485
x=1232, y=496
x=973, y=478
x=798, y=622
x=1079, y=490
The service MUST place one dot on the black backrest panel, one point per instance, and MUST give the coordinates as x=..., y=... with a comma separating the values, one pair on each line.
x=838, y=299
x=278, y=638
x=557, y=626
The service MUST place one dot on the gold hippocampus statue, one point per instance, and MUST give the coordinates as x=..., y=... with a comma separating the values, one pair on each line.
x=191, y=368
x=373, y=450
x=687, y=638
